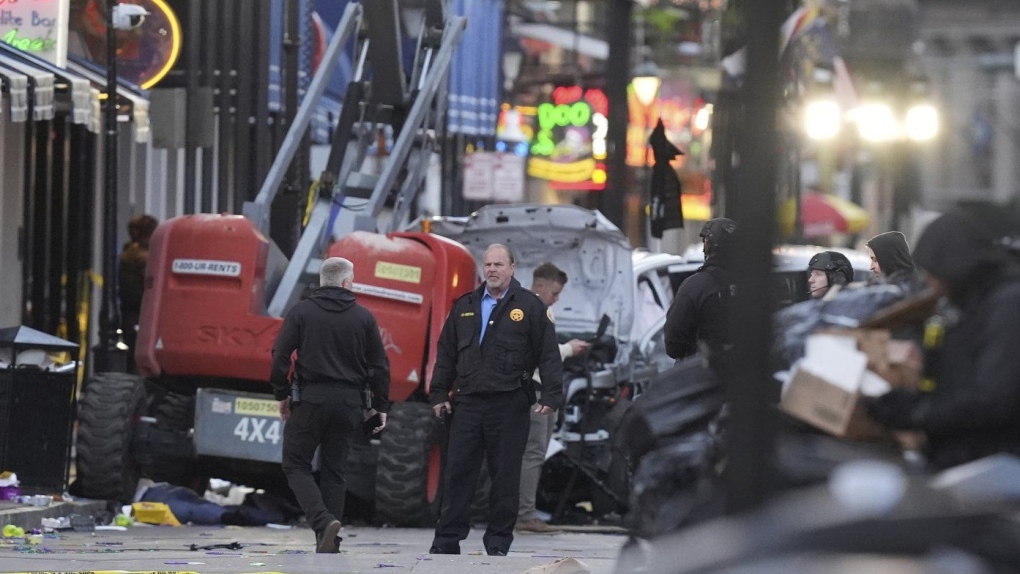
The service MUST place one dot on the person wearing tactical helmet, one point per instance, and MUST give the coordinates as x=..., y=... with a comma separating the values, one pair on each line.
x=827, y=269
x=697, y=313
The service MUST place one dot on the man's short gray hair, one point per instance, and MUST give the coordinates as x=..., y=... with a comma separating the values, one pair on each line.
x=334, y=271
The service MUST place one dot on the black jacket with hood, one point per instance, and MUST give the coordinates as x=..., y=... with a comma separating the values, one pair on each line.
x=893, y=255
x=519, y=338
x=337, y=342
x=698, y=310
x=974, y=410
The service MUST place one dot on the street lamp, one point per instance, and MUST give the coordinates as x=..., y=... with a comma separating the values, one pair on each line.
x=647, y=81
x=110, y=352
x=922, y=122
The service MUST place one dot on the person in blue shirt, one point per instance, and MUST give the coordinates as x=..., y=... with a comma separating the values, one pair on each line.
x=493, y=340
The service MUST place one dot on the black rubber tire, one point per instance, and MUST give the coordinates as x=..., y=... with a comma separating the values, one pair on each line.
x=175, y=413
x=402, y=495
x=106, y=418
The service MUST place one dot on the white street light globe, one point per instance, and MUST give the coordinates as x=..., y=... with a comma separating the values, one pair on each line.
x=646, y=82
x=822, y=120
x=876, y=123
x=646, y=88
x=922, y=122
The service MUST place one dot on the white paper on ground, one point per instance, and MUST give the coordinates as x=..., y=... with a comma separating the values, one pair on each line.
x=561, y=566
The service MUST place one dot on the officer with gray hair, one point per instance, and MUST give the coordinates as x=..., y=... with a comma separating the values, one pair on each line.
x=340, y=353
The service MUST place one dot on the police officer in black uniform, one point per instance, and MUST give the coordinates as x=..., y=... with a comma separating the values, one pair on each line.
x=492, y=341
x=339, y=354
x=697, y=312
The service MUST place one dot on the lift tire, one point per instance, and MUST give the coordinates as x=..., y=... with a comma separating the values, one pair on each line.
x=408, y=470
x=108, y=412
x=175, y=412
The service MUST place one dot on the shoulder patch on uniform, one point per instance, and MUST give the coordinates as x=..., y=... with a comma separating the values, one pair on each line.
x=468, y=314
x=549, y=314
x=517, y=315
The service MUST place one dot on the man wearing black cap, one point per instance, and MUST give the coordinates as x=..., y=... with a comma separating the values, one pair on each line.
x=698, y=311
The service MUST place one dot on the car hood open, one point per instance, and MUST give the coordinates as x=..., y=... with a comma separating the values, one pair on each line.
x=593, y=252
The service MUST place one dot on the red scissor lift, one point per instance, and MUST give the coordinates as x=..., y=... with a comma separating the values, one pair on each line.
x=216, y=289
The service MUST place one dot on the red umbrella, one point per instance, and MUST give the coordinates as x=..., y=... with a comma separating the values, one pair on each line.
x=822, y=214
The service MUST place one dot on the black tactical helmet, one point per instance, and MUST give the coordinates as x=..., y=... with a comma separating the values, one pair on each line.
x=837, y=267
x=716, y=233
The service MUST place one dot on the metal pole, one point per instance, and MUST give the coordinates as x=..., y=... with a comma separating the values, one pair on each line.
x=109, y=356
x=611, y=201
x=747, y=372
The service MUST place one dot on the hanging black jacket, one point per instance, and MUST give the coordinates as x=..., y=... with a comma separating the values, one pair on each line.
x=974, y=410
x=520, y=337
x=337, y=341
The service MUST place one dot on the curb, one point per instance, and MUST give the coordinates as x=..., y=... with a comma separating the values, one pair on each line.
x=29, y=517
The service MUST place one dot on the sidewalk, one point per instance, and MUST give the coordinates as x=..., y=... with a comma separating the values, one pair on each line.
x=29, y=517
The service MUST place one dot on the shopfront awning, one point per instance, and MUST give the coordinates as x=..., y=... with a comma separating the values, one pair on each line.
x=59, y=80
x=127, y=90
x=40, y=84
x=567, y=39
x=15, y=85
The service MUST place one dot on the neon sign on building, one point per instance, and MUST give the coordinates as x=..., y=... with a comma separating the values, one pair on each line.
x=39, y=27
x=569, y=146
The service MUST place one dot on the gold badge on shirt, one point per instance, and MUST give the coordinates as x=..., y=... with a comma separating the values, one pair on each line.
x=517, y=315
x=549, y=313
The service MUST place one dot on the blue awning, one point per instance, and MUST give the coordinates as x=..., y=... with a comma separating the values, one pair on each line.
x=475, y=70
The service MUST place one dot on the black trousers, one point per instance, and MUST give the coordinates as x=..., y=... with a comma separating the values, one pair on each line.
x=326, y=417
x=495, y=425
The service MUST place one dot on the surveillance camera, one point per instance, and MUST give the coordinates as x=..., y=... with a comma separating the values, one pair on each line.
x=128, y=16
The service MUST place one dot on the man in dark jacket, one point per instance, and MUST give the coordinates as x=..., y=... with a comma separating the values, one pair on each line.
x=890, y=257
x=974, y=410
x=339, y=354
x=698, y=311
x=493, y=339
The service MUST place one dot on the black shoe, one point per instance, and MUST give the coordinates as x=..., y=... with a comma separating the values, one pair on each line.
x=328, y=541
x=495, y=551
x=438, y=550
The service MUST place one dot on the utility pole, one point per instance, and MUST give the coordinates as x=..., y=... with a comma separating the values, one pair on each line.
x=750, y=314
x=611, y=199
x=109, y=354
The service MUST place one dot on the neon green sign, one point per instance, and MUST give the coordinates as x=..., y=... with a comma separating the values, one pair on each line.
x=28, y=44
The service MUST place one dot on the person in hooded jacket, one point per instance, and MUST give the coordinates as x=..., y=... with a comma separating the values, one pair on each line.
x=340, y=353
x=890, y=257
x=698, y=310
x=974, y=409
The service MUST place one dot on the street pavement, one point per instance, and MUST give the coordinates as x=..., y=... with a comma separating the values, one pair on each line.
x=143, y=548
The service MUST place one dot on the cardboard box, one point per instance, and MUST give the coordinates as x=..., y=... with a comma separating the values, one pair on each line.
x=825, y=388
x=897, y=361
x=828, y=407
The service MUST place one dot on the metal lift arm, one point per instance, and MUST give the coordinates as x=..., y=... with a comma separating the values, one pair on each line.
x=351, y=197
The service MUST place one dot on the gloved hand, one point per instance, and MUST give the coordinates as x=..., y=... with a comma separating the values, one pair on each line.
x=894, y=409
